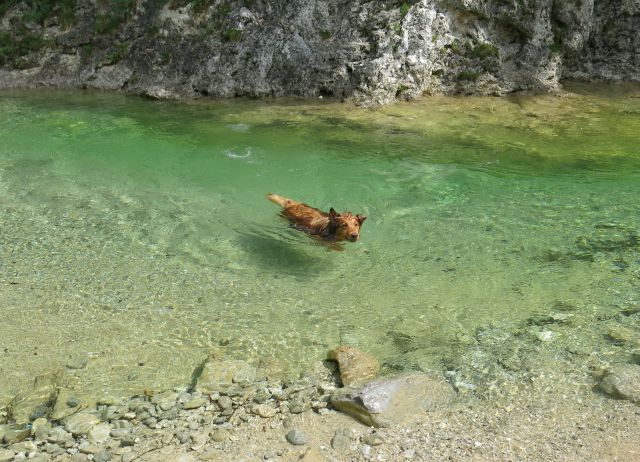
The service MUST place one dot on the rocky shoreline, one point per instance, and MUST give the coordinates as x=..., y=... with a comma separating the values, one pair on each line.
x=340, y=411
x=369, y=52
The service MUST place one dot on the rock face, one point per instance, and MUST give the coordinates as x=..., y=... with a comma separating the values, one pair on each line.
x=369, y=51
x=384, y=402
x=355, y=366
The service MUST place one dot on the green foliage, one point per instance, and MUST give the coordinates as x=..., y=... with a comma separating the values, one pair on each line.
x=325, y=34
x=404, y=9
x=14, y=47
x=37, y=11
x=483, y=51
x=468, y=75
x=116, y=12
x=117, y=54
x=232, y=35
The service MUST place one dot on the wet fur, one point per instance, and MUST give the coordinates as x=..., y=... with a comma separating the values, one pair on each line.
x=331, y=225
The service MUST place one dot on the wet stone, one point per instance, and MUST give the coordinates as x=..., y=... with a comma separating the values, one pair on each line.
x=80, y=424
x=24, y=446
x=6, y=455
x=102, y=456
x=623, y=382
x=355, y=365
x=99, y=433
x=383, y=402
x=195, y=403
x=54, y=450
x=224, y=402
x=58, y=435
x=88, y=448
x=14, y=436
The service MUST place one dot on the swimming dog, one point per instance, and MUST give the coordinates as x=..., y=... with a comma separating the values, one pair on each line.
x=332, y=226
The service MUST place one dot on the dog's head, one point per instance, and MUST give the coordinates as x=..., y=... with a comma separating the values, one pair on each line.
x=346, y=224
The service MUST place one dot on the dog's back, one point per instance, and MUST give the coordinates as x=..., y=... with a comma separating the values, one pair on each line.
x=332, y=226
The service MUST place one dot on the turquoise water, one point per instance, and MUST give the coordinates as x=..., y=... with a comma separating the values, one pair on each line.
x=135, y=237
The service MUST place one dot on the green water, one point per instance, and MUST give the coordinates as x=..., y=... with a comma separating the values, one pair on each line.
x=135, y=237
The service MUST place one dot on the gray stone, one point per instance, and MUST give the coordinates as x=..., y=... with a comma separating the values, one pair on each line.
x=79, y=457
x=88, y=448
x=102, y=456
x=623, y=382
x=99, y=433
x=24, y=446
x=15, y=436
x=165, y=400
x=219, y=435
x=81, y=423
x=54, y=450
x=383, y=402
x=224, y=402
x=296, y=437
x=264, y=410
x=195, y=403
x=340, y=442
x=119, y=433
x=58, y=435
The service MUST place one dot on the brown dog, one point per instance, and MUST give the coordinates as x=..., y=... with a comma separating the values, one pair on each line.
x=331, y=226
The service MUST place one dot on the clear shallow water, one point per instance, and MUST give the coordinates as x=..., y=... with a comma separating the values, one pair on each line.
x=135, y=237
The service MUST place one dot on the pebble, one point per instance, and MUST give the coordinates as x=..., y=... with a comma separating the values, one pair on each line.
x=264, y=410
x=102, y=456
x=88, y=448
x=219, y=435
x=195, y=403
x=225, y=402
x=340, y=442
x=119, y=433
x=373, y=439
x=296, y=437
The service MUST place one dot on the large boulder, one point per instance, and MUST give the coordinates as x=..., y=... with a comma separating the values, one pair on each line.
x=387, y=401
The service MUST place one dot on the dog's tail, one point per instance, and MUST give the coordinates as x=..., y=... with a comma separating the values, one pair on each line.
x=281, y=201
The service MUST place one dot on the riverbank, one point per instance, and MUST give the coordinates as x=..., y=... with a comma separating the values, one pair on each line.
x=551, y=399
x=370, y=52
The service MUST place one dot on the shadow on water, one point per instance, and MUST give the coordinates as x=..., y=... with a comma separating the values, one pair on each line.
x=284, y=253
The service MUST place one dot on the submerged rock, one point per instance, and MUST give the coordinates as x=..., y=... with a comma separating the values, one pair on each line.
x=80, y=424
x=218, y=375
x=355, y=366
x=388, y=401
x=623, y=382
x=38, y=401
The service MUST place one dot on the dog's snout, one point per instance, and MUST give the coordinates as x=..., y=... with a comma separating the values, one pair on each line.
x=354, y=236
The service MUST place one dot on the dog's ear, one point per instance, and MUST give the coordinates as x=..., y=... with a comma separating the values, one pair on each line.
x=332, y=213
x=361, y=218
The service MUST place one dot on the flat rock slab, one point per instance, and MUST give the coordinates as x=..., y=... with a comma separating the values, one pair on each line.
x=388, y=401
x=81, y=423
x=355, y=366
x=623, y=382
